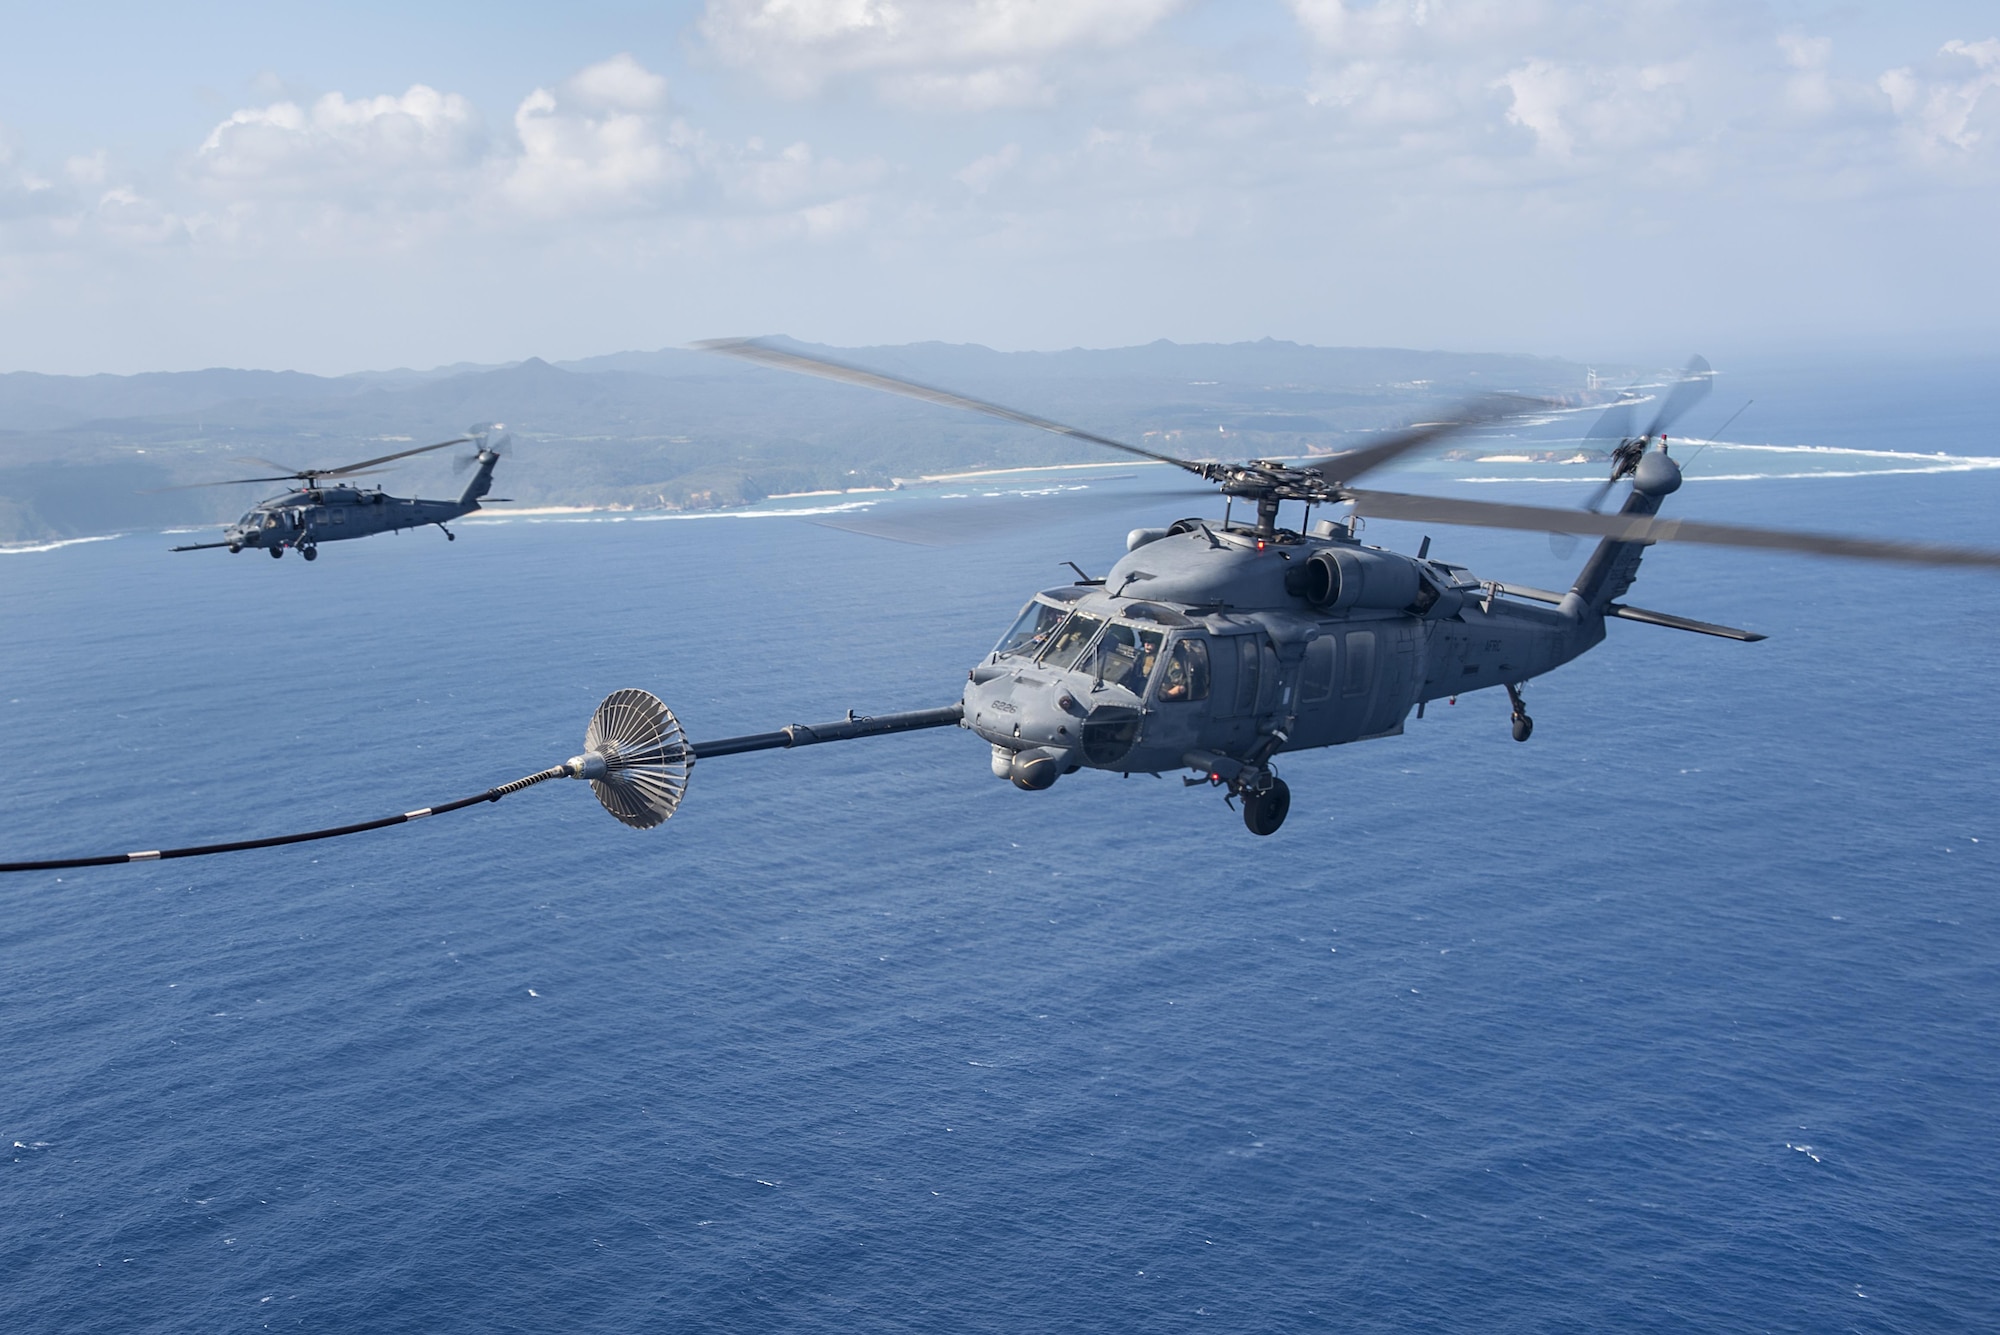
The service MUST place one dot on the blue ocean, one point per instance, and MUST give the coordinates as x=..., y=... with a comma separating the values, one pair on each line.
x=1685, y=1015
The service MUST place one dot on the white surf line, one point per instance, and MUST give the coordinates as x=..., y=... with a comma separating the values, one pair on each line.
x=22, y=549
x=1852, y=450
x=871, y=497
x=1036, y=468
x=607, y=515
x=1774, y=477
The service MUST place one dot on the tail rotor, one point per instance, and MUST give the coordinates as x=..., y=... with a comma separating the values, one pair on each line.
x=484, y=443
x=1615, y=424
x=1692, y=387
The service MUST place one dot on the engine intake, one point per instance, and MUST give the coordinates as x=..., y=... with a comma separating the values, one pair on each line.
x=1340, y=578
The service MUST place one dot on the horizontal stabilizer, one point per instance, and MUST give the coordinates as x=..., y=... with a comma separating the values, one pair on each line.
x=1681, y=623
x=1636, y=614
x=1530, y=592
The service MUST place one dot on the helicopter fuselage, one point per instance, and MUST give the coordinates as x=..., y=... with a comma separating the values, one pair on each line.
x=1215, y=648
x=308, y=516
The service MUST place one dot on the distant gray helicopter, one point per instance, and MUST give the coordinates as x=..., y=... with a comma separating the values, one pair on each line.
x=314, y=512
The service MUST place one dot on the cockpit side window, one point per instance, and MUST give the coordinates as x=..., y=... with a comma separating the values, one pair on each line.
x=1125, y=656
x=1071, y=640
x=1186, y=676
x=1038, y=622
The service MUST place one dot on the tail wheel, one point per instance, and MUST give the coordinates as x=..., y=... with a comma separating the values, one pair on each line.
x=1264, y=812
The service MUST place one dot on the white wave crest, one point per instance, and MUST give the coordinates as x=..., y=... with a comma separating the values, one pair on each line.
x=23, y=548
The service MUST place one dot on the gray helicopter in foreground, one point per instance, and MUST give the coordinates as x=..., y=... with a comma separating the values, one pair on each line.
x=1216, y=647
x=314, y=511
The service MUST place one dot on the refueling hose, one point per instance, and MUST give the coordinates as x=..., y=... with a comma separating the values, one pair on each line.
x=274, y=841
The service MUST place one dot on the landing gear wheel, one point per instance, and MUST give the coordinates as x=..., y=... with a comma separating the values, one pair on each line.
x=449, y=536
x=234, y=548
x=310, y=553
x=277, y=552
x=1524, y=727
x=1264, y=812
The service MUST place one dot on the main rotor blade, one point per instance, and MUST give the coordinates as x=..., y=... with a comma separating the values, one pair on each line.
x=1491, y=408
x=346, y=470
x=241, y=481
x=939, y=523
x=1695, y=382
x=286, y=469
x=1615, y=423
x=1644, y=528
x=750, y=350
x=232, y=482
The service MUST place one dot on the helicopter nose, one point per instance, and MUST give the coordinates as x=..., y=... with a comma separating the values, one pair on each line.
x=1017, y=712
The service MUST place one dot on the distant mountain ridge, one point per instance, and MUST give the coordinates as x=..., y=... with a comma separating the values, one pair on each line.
x=675, y=428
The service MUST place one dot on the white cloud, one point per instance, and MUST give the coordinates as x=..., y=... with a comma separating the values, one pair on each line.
x=1946, y=106
x=1809, y=89
x=980, y=174
x=602, y=143
x=1393, y=27
x=618, y=84
x=1542, y=92
x=1608, y=111
x=87, y=169
x=373, y=145
x=754, y=180
x=969, y=90
x=958, y=54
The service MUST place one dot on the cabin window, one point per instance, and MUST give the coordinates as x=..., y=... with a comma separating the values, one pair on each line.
x=1360, y=663
x=339, y=516
x=1032, y=631
x=1249, y=659
x=1186, y=676
x=1317, y=681
x=1069, y=642
x=1125, y=656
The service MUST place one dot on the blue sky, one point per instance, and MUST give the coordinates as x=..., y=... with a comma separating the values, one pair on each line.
x=335, y=188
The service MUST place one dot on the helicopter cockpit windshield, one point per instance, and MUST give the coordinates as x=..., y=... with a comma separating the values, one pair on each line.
x=1032, y=631
x=1069, y=642
x=1124, y=656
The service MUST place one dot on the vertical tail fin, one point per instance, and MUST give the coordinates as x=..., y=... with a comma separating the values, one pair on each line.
x=1615, y=563
x=482, y=481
